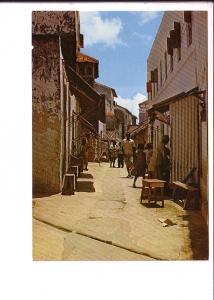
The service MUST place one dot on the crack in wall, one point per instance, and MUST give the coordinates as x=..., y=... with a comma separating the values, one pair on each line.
x=97, y=239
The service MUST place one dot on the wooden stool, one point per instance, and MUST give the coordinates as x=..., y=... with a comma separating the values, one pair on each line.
x=68, y=185
x=74, y=170
x=151, y=185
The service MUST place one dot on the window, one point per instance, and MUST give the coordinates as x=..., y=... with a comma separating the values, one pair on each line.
x=171, y=63
x=156, y=78
x=89, y=69
x=179, y=53
x=149, y=89
x=165, y=62
x=188, y=20
x=189, y=33
x=155, y=72
x=161, y=79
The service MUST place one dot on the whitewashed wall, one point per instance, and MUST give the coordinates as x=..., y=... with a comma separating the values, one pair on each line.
x=191, y=71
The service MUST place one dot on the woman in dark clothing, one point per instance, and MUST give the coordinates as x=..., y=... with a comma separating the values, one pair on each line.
x=165, y=166
x=84, y=153
x=113, y=153
x=120, y=158
x=139, y=164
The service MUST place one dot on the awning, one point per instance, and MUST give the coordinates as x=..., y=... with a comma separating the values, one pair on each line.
x=86, y=123
x=88, y=96
x=139, y=129
x=164, y=105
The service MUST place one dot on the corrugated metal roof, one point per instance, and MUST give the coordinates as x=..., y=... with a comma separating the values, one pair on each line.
x=139, y=129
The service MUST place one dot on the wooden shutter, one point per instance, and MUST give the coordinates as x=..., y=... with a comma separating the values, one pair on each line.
x=175, y=36
x=187, y=16
x=169, y=46
x=149, y=86
x=154, y=75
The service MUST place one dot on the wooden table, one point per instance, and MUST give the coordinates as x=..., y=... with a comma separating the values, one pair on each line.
x=152, y=186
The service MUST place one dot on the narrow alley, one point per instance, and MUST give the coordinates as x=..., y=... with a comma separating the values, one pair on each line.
x=82, y=121
x=104, y=220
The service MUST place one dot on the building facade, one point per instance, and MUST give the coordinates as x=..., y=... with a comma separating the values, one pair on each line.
x=108, y=94
x=124, y=119
x=64, y=105
x=177, y=86
x=143, y=111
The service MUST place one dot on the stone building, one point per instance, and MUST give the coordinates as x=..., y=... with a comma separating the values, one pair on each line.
x=124, y=118
x=143, y=111
x=64, y=105
x=139, y=133
x=177, y=86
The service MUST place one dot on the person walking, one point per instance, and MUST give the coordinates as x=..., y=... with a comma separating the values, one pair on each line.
x=84, y=152
x=113, y=154
x=128, y=146
x=149, y=153
x=120, y=158
x=139, y=164
x=157, y=161
x=161, y=160
x=165, y=167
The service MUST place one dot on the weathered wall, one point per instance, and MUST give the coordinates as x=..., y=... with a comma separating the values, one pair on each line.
x=46, y=113
x=53, y=22
x=55, y=36
x=188, y=72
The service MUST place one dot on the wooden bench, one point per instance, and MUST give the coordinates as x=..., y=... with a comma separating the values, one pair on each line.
x=191, y=193
x=69, y=184
x=151, y=186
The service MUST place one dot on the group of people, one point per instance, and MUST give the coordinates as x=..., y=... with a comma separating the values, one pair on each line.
x=116, y=153
x=144, y=159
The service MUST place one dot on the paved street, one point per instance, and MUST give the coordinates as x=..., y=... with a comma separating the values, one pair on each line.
x=104, y=220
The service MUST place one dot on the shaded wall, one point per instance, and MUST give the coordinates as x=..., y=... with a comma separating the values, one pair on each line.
x=46, y=113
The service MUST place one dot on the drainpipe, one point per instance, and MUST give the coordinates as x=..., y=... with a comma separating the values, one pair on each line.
x=61, y=115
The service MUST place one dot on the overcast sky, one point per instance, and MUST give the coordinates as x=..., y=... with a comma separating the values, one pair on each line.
x=121, y=41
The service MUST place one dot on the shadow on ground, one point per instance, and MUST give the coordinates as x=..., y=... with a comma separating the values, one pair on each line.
x=85, y=175
x=85, y=186
x=198, y=233
x=43, y=194
x=151, y=205
x=198, y=230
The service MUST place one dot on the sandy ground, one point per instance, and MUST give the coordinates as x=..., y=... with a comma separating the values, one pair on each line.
x=104, y=220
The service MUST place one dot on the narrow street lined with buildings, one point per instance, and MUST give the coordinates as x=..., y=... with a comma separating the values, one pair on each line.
x=96, y=214
x=104, y=220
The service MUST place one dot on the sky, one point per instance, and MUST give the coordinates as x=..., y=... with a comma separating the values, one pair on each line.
x=121, y=41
